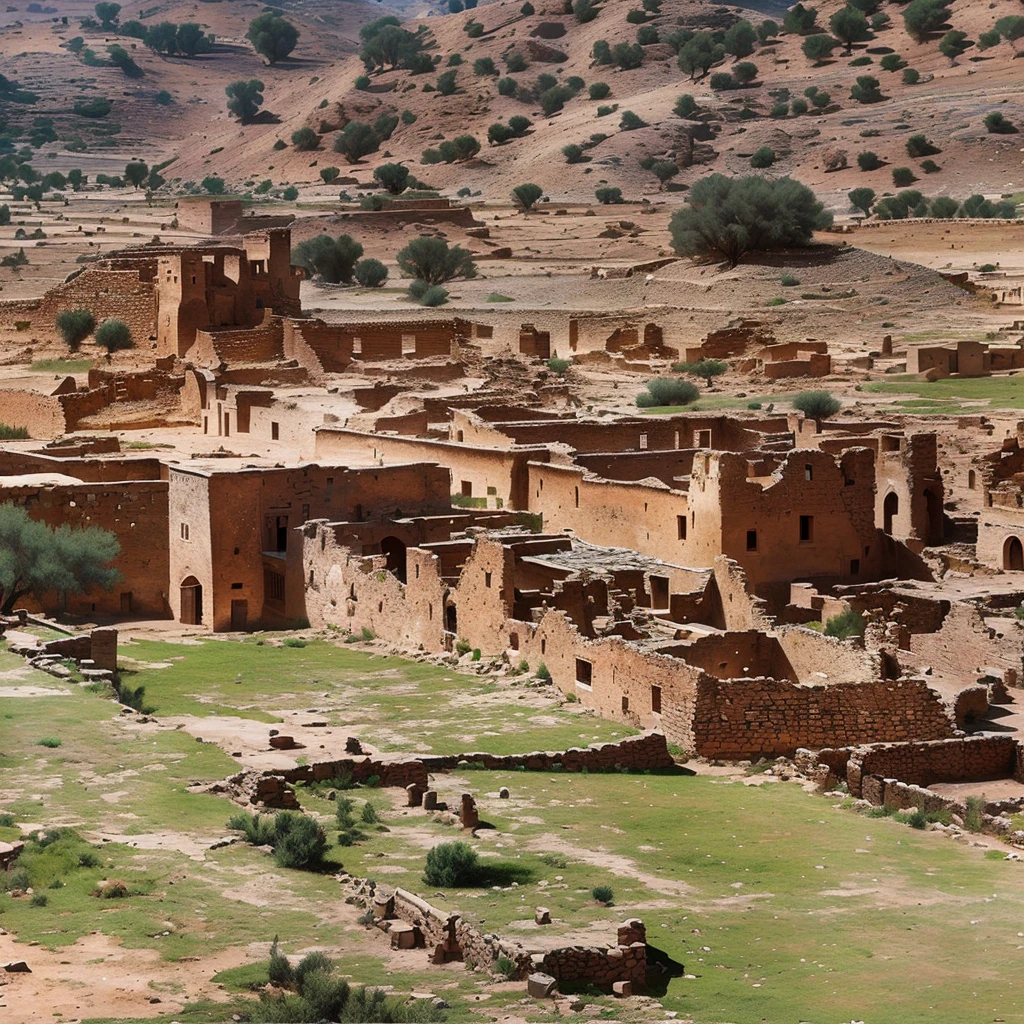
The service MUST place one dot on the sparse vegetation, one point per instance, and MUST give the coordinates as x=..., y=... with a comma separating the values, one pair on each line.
x=818, y=405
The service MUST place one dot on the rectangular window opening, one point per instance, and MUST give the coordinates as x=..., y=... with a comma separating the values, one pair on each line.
x=584, y=673
x=751, y=540
x=656, y=700
x=806, y=529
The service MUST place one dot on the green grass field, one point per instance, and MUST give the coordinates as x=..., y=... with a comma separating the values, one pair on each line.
x=951, y=395
x=783, y=905
x=61, y=365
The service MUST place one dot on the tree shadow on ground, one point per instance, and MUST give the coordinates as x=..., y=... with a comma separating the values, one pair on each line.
x=661, y=969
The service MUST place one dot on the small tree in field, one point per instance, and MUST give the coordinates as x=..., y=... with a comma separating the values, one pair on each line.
x=245, y=98
x=432, y=261
x=862, y=199
x=818, y=405
x=356, y=141
x=74, y=326
x=818, y=48
x=845, y=625
x=136, y=172
x=108, y=14
x=526, y=195
x=706, y=369
x=608, y=195
x=114, y=335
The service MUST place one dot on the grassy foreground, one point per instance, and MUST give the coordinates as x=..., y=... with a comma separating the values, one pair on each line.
x=782, y=905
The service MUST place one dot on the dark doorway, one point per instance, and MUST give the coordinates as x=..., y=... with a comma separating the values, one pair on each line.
x=890, y=510
x=191, y=601
x=451, y=619
x=935, y=530
x=1013, y=554
x=239, y=615
x=394, y=550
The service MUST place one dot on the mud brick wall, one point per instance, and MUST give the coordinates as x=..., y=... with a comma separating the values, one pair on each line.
x=969, y=759
x=100, y=645
x=814, y=366
x=318, y=346
x=767, y=717
x=13, y=462
x=136, y=512
x=262, y=344
x=963, y=649
x=105, y=293
x=41, y=415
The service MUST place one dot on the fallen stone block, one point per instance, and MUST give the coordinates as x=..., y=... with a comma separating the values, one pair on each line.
x=542, y=916
x=540, y=986
x=622, y=989
x=17, y=967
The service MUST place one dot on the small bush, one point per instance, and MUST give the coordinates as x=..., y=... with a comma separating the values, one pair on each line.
x=763, y=157
x=974, y=815
x=450, y=865
x=279, y=969
x=603, y=894
x=39, y=899
x=868, y=161
x=608, y=196
x=505, y=968
x=845, y=625
x=599, y=90
x=49, y=741
x=559, y=366
x=370, y=273
x=667, y=391
x=114, y=335
x=818, y=405
x=789, y=281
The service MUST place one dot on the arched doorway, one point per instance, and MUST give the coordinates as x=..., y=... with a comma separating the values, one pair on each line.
x=191, y=601
x=935, y=518
x=394, y=550
x=890, y=510
x=1013, y=554
x=451, y=619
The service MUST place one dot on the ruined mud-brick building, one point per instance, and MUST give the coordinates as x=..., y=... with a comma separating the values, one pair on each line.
x=783, y=500
x=643, y=641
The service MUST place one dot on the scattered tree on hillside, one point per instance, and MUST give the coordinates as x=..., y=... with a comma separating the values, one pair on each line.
x=953, y=44
x=1011, y=28
x=191, y=39
x=305, y=139
x=819, y=47
x=394, y=177
x=330, y=259
x=862, y=199
x=997, y=124
x=387, y=45
x=740, y=39
x=245, y=98
x=800, y=20
x=608, y=195
x=108, y=14
x=431, y=260
x=136, y=172
x=272, y=37
x=866, y=90
x=114, y=335
x=122, y=59
x=868, y=160
x=214, y=184
x=74, y=326
x=918, y=146
x=764, y=156
x=729, y=217
x=686, y=106
x=849, y=26
x=356, y=141
x=664, y=170
x=699, y=54
x=526, y=195
x=44, y=561
x=922, y=17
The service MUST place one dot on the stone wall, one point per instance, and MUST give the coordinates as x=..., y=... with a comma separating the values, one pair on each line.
x=412, y=922
x=744, y=718
x=98, y=645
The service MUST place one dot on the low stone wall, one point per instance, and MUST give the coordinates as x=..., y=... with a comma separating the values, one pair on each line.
x=637, y=753
x=272, y=788
x=412, y=922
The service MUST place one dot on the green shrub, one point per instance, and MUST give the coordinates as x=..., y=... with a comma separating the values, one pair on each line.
x=667, y=391
x=763, y=157
x=39, y=899
x=506, y=86
x=903, y=176
x=505, y=968
x=370, y=273
x=543, y=672
x=92, y=108
x=279, y=969
x=599, y=90
x=559, y=366
x=846, y=624
x=789, y=281
x=74, y=326
x=49, y=741
x=974, y=813
x=911, y=76
x=868, y=161
x=299, y=841
x=608, y=196
x=450, y=865
x=818, y=405
x=603, y=894
x=305, y=139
